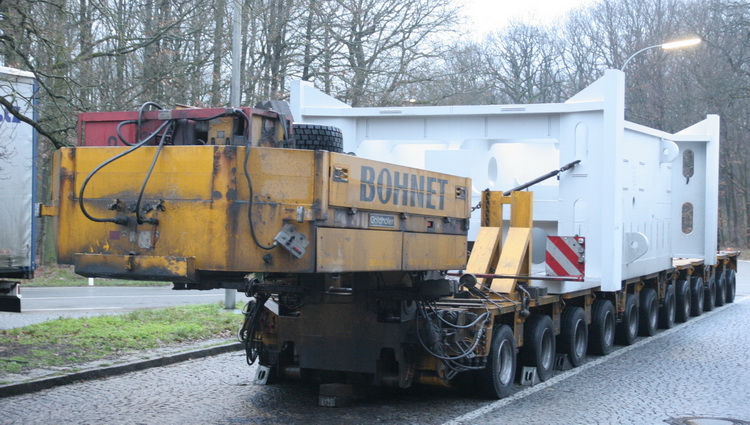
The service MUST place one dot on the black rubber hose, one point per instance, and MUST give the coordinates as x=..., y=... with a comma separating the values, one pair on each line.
x=119, y=132
x=141, y=110
x=250, y=185
x=138, y=217
x=116, y=220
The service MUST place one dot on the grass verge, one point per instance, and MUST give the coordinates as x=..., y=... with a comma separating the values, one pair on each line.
x=66, y=342
x=60, y=275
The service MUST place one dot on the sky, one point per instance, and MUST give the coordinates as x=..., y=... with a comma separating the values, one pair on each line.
x=489, y=15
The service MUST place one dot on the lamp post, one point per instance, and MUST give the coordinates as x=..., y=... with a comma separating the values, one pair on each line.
x=666, y=46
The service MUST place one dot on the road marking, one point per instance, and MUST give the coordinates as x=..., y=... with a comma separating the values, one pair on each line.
x=474, y=414
x=26, y=296
x=71, y=309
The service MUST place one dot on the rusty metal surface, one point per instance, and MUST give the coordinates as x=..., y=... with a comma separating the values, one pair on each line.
x=195, y=205
x=200, y=199
x=175, y=269
x=100, y=128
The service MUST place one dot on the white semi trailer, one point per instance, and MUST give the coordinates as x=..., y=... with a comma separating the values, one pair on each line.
x=17, y=186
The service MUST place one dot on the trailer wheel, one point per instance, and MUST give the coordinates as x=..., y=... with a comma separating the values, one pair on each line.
x=709, y=295
x=627, y=330
x=649, y=312
x=683, y=301
x=538, y=345
x=731, y=285
x=574, y=335
x=318, y=137
x=602, y=329
x=696, y=298
x=667, y=312
x=721, y=290
x=496, y=379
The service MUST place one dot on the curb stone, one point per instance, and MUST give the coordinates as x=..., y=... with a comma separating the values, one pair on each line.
x=108, y=371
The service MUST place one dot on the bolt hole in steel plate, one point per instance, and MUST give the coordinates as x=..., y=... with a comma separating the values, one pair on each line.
x=492, y=175
x=694, y=420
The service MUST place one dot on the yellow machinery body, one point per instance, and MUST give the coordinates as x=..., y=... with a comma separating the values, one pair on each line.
x=355, y=214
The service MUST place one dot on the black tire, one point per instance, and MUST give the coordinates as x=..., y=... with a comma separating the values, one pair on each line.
x=696, y=296
x=538, y=345
x=721, y=290
x=683, y=301
x=318, y=137
x=627, y=329
x=731, y=285
x=649, y=312
x=668, y=310
x=574, y=335
x=496, y=379
x=602, y=328
x=709, y=295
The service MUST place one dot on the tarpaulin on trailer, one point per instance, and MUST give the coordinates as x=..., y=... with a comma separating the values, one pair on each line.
x=17, y=152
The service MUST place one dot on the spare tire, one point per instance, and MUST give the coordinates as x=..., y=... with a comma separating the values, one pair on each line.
x=318, y=137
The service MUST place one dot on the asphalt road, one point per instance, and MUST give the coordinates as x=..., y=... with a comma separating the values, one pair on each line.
x=41, y=304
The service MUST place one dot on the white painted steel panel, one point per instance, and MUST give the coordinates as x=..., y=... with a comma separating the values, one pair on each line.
x=625, y=196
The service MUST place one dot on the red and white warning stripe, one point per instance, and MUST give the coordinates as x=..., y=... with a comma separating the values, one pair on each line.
x=566, y=256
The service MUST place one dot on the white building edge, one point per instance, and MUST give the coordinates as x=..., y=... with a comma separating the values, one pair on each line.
x=626, y=196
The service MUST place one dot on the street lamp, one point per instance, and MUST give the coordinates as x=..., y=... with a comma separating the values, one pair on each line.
x=666, y=46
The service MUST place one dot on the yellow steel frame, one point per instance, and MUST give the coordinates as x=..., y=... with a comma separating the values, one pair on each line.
x=203, y=199
x=513, y=257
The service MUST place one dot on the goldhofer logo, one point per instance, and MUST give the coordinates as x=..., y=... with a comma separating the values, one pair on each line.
x=381, y=220
x=394, y=187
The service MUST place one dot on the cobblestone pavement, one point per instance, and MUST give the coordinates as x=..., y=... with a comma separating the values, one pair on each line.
x=696, y=370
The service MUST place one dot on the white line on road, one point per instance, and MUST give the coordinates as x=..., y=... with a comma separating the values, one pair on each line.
x=26, y=296
x=71, y=309
x=474, y=414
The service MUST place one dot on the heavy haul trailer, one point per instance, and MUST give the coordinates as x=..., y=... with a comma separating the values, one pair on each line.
x=348, y=258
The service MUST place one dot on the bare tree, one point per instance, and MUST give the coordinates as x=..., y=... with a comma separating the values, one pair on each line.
x=720, y=79
x=459, y=77
x=383, y=41
x=93, y=55
x=523, y=63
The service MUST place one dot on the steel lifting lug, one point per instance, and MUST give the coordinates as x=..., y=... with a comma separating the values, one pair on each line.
x=525, y=302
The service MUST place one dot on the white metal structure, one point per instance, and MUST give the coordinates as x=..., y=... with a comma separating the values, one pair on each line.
x=640, y=196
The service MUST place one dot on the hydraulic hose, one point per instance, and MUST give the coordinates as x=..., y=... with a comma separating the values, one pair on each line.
x=117, y=220
x=250, y=186
x=138, y=217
